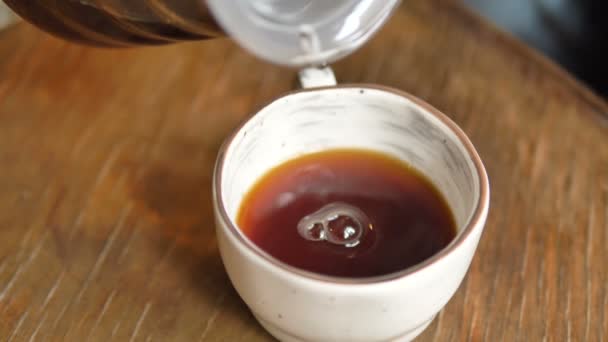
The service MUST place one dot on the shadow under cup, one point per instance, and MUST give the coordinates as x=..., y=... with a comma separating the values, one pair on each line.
x=364, y=117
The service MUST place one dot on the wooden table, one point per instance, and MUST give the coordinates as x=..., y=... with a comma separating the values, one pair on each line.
x=106, y=228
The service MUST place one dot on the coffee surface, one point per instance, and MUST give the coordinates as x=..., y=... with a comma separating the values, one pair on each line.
x=406, y=218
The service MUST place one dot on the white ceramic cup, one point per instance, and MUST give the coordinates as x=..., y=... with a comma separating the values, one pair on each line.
x=297, y=305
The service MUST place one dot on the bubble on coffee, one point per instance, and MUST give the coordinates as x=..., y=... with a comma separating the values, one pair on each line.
x=337, y=223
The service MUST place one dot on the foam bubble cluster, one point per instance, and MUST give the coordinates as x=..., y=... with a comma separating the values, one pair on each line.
x=337, y=223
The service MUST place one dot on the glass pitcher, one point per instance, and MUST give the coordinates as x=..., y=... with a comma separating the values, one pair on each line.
x=296, y=33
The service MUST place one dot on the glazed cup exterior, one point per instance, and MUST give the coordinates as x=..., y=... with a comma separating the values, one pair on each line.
x=296, y=305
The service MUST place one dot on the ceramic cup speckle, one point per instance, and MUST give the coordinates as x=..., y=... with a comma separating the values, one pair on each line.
x=296, y=305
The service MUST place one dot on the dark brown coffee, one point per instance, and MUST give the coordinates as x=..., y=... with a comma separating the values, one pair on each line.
x=406, y=218
x=119, y=24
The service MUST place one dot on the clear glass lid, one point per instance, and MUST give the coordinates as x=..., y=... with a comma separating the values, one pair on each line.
x=301, y=33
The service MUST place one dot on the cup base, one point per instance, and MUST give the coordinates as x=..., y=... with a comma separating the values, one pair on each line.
x=284, y=336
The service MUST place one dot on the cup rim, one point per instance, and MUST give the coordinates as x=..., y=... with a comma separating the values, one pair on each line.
x=474, y=221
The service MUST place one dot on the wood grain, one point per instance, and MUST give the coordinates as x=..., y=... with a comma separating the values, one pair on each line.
x=106, y=229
